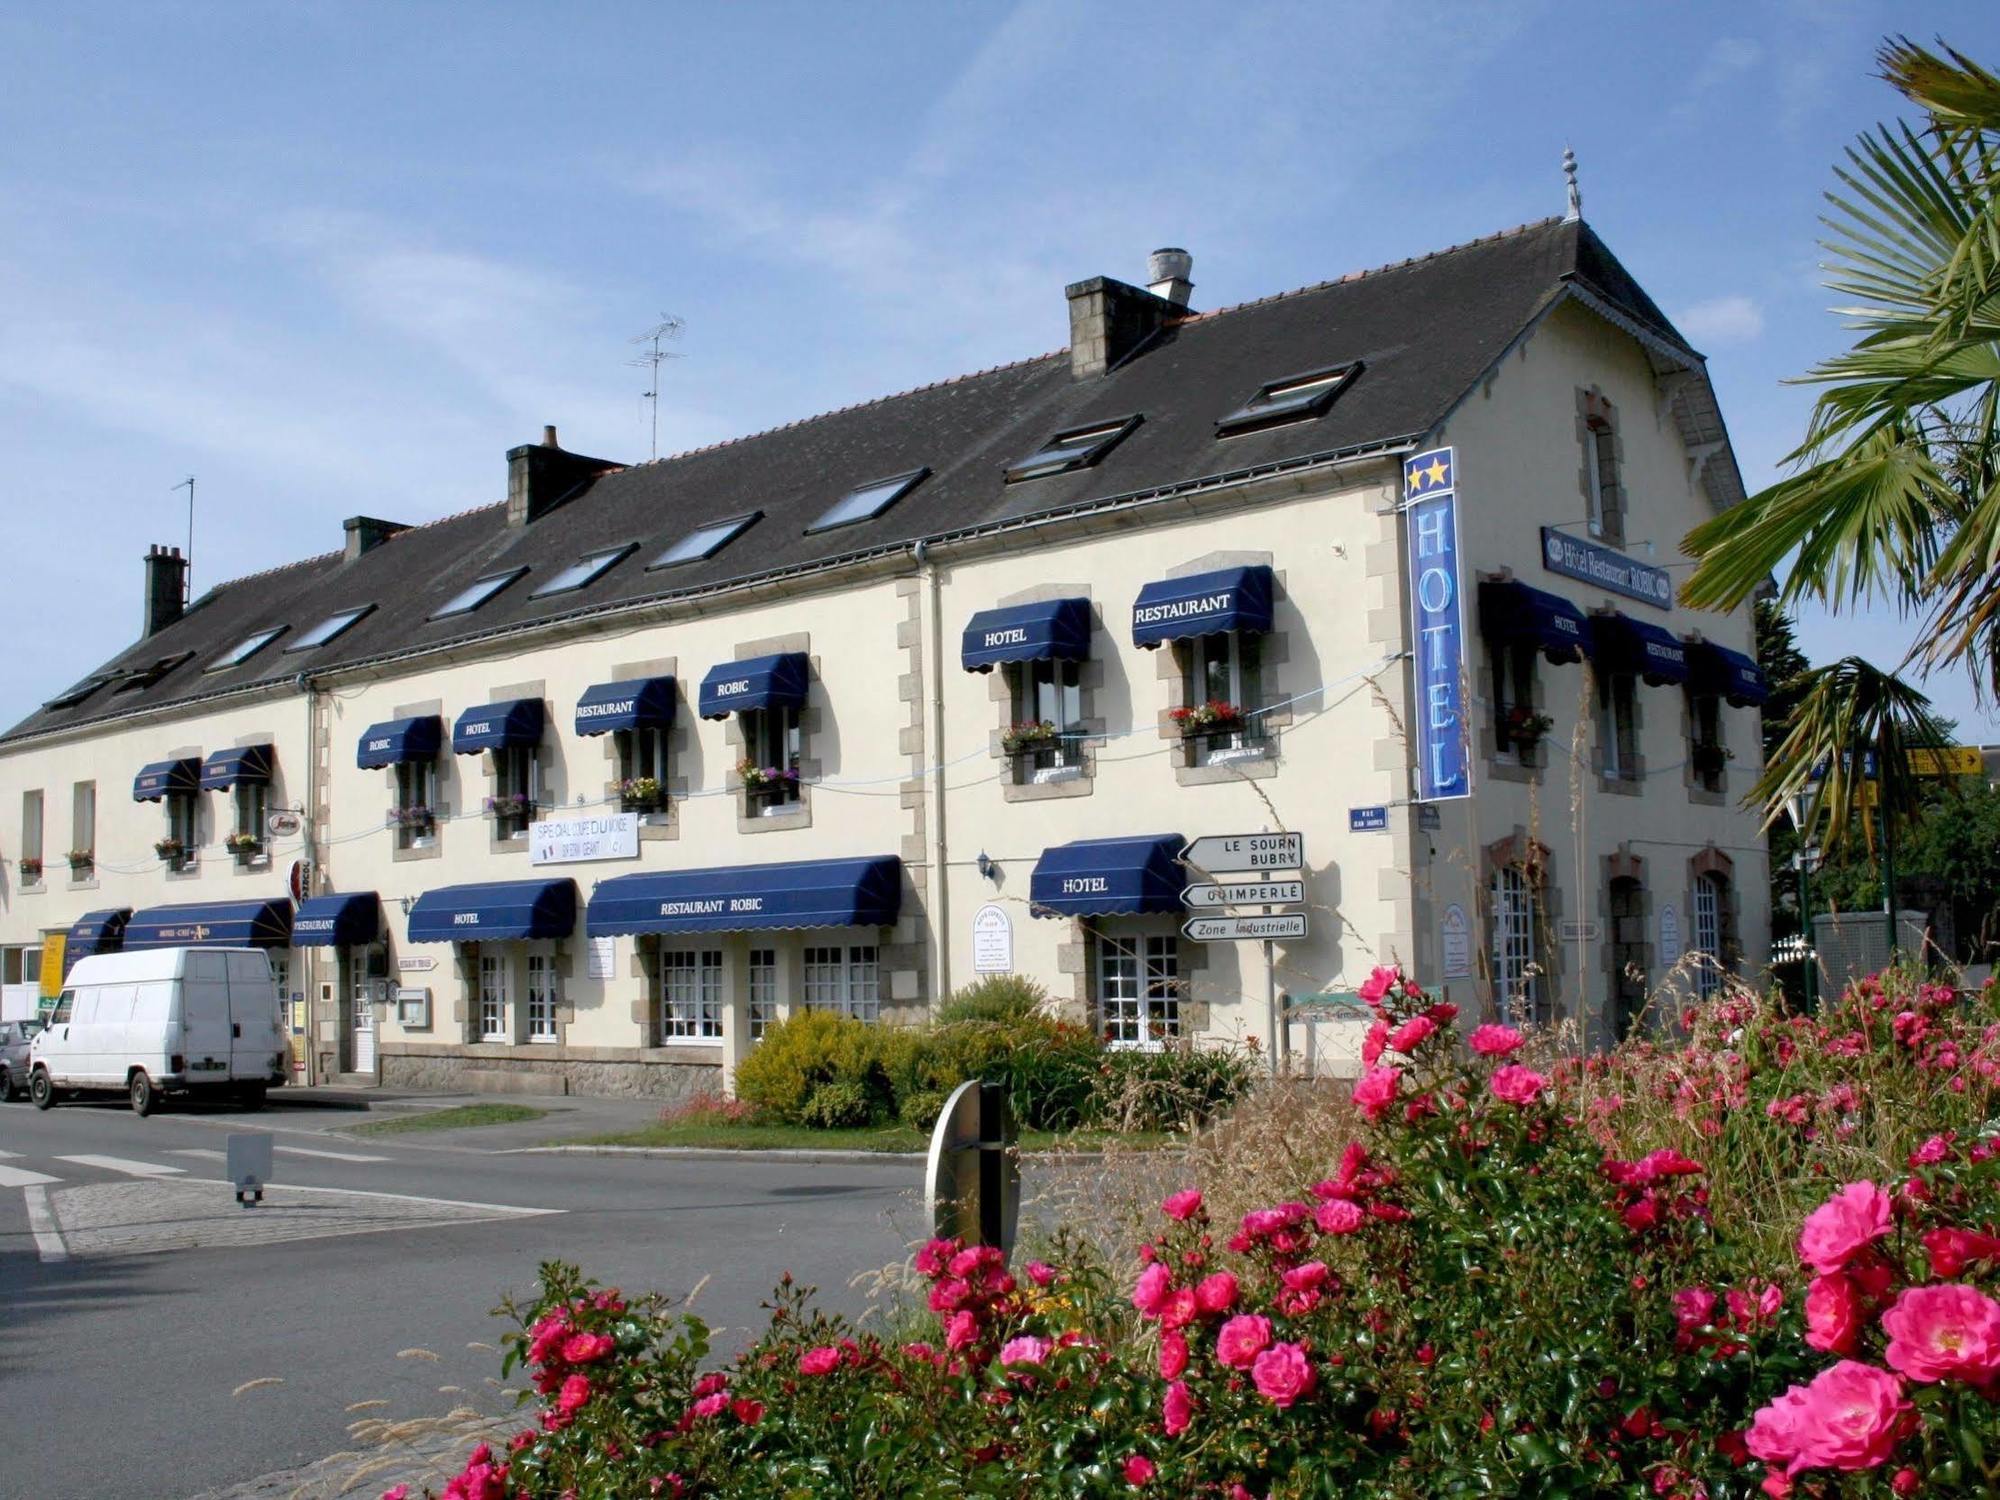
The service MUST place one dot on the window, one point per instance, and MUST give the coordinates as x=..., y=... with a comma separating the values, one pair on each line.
x=246, y=648
x=1078, y=448
x=691, y=995
x=83, y=825
x=868, y=501
x=541, y=997
x=843, y=980
x=705, y=541
x=139, y=678
x=1047, y=692
x=1138, y=990
x=1222, y=688
x=763, y=992
x=476, y=593
x=517, y=788
x=1290, y=400
x=585, y=570
x=252, y=805
x=1628, y=954
x=1618, y=724
x=31, y=835
x=180, y=830
x=1707, y=754
x=65, y=1003
x=642, y=768
x=1516, y=725
x=1709, y=897
x=1517, y=986
x=415, y=813
x=333, y=625
x=772, y=744
x=493, y=999
x=1600, y=465
x=70, y=697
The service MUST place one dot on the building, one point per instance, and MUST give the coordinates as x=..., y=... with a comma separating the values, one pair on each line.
x=592, y=783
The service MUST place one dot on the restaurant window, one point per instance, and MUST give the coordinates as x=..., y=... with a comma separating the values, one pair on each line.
x=1222, y=691
x=642, y=768
x=542, y=994
x=763, y=992
x=415, y=812
x=772, y=745
x=31, y=837
x=517, y=788
x=1515, y=913
x=1138, y=990
x=843, y=980
x=1618, y=724
x=691, y=995
x=1710, y=898
x=178, y=847
x=82, y=827
x=1517, y=727
x=494, y=987
x=1047, y=725
x=1708, y=754
x=251, y=805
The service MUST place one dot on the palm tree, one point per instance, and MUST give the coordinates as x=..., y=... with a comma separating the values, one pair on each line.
x=1894, y=496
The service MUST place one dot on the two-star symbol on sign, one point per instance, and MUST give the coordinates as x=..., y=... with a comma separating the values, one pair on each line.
x=1430, y=476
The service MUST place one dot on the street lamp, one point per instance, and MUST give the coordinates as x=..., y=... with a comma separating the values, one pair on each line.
x=1800, y=812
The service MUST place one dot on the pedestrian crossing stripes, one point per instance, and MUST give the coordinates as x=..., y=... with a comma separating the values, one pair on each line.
x=122, y=1164
x=354, y=1156
x=13, y=1177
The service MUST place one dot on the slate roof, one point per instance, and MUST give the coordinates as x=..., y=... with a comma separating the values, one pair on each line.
x=1425, y=330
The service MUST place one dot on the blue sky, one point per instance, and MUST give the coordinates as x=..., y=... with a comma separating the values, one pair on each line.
x=337, y=258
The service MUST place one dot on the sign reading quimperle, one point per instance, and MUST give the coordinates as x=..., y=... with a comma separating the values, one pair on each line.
x=1437, y=635
x=563, y=841
x=1607, y=568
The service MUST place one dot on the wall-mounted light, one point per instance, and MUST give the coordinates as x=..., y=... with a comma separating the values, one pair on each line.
x=986, y=866
x=406, y=902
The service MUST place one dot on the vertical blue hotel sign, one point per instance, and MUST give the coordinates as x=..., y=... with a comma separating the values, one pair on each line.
x=1437, y=635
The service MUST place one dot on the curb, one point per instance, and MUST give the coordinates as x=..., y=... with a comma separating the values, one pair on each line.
x=717, y=1153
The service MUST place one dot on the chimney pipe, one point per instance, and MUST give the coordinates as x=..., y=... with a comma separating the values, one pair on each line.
x=366, y=533
x=541, y=476
x=549, y=436
x=1167, y=273
x=166, y=584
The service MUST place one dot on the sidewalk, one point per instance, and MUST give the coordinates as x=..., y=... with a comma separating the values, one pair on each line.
x=423, y=1459
x=565, y=1116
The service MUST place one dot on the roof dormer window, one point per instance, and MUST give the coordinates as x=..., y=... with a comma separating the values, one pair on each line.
x=868, y=501
x=585, y=571
x=333, y=625
x=1078, y=448
x=246, y=648
x=705, y=541
x=1293, y=399
x=476, y=593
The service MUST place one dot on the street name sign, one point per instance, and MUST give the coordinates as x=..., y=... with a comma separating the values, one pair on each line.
x=1237, y=853
x=1238, y=928
x=1244, y=893
x=1368, y=819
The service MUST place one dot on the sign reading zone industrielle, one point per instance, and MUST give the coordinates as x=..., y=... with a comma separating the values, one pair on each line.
x=1233, y=929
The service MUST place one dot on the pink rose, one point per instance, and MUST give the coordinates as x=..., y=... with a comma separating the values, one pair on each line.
x=1949, y=1332
x=960, y=1333
x=1242, y=1339
x=585, y=1348
x=1833, y=1314
x=746, y=1411
x=1952, y=1250
x=1177, y=1409
x=575, y=1391
x=1373, y=1044
x=1183, y=1205
x=1025, y=1350
x=1139, y=1470
x=1843, y=1226
x=1149, y=1293
x=1495, y=1041
x=1855, y=1414
x=1041, y=1272
x=1515, y=1084
x=1173, y=1355
x=1309, y=1277
x=1340, y=1216
x=1383, y=979
x=826, y=1359
x=1216, y=1294
x=1412, y=1034
x=1376, y=1091
x=709, y=1406
x=397, y=1492
x=1283, y=1375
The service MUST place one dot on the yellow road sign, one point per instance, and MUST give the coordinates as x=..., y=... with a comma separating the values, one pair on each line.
x=51, y=976
x=1952, y=760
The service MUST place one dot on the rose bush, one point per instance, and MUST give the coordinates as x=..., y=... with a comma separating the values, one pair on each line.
x=1760, y=1262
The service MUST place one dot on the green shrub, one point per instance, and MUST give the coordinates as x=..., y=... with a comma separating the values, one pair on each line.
x=996, y=997
x=919, y=1110
x=812, y=1048
x=838, y=1106
x=1170, y=1089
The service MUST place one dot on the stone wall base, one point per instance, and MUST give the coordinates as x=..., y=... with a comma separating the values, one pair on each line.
x=670, y=1082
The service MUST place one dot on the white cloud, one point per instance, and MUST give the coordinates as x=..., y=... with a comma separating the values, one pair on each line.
x=1734, y=319
x=1728, y=58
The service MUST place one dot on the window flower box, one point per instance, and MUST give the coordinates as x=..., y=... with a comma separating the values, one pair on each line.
x=417, y=819
x=243, y=845
x=641, y=794
x=1209, y=718
x=31, y=870
x=510, y=805
x=81, y=862
x=1029, y=735
x=1709, y=760
x=1524, y=728
x=174, y=852
x=768, y=789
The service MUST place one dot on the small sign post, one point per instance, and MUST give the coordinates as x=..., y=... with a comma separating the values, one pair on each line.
x=249, y=1159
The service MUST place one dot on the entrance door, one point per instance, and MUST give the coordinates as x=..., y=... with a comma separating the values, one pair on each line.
x=1628, y=954
x=363, y=1007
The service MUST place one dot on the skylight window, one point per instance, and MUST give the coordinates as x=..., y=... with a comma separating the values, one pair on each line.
x=1292, y=399
x=705, y=541
x=77, y=694
x=144, y=677
x=246, y=648
x=585, y=570
x=476, y=593
x=1078, y=448
x=333, y=625
x=868, y=501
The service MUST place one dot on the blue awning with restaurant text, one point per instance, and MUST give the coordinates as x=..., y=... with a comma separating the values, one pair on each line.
x=396, y=741
x=1619, y=643
x=1052, y=630
x=241, y=763
x=350, y=920
x=761, y=682
x=642, y=703
x=503, y=911
x=865, y=892
x=211, y=924
x=495, y=726
x=1175, y=609
x=1109, y=877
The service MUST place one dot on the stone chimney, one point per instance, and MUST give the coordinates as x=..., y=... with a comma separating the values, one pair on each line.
x=166, y=587
x=540, y=476
x=365, y=534
x=1109, y=319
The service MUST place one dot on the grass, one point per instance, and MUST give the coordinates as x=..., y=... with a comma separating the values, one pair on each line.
x=459, y=1117
x=753, y=1136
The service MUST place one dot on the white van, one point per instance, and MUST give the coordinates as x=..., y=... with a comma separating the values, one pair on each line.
x=197, y=1021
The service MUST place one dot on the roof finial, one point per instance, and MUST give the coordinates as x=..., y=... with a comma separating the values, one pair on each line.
x=1575, y=193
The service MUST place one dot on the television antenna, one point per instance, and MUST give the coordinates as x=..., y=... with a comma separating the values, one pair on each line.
x=651, y=357
x=187, y=572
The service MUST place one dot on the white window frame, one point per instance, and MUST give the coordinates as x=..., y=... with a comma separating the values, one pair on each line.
x=1599, y=453
x=543, y=992
x=845, y=978
x=1221, y=655
x=183, y=823
x=690, y=996
x=83, y=817
x=495, y=998
x=763, y=991
x=1618, y=725
x=416, y=784
x=773, y=737
x=34, y=821
x=517, y=769
x=1708, y=897
x=1138, y=996
x=250, y=805
x=1516, y=943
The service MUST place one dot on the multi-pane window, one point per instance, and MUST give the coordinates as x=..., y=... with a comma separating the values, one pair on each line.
x=181, y=828
x=763, y=991
x=493, y=998
x=31, y=831
x=1049, y=692
x=517, y=786
x=1708, y=899
x=843, y=979
x=252, y=804
x=772, y=747
x=1516, y=937
x=642, y=767
x=1223, y=684
x=416, y=803
x=1515, y=722
x=83, y=824
x=1138, y=990
x=1618, y=724
x=541, y=997
x=691, y=995
x=1706, y=751
x=1600, y=463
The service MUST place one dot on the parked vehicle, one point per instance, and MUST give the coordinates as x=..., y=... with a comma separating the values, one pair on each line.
x=194, y=1021
x=14, y=1039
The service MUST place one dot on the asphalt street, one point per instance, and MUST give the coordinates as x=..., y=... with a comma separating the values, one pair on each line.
x=137, y=1300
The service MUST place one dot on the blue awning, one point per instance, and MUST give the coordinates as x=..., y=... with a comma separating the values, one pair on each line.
x=498, y=725
x=1728, y=674
x=1203, y=604
x=641, y=703
x=96, y=932
x=225, y=768
x=165, y=776
x=750, y=898
x=1109, y=877
x=507, y=910
x=346, y=921
x=395, y=741
x=1055, y=629
x=1619, y=643
x=212, y=924
x=762, y=682
x=1512, y=611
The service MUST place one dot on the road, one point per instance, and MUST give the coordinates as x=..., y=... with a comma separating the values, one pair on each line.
x=137, y=1299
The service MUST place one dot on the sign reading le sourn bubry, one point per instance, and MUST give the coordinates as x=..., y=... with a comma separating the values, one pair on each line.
x=1231, y=853
x=1607, y=568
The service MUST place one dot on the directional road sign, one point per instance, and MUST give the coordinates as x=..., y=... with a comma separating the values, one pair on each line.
x=1236, y=853
x=1244, y=893
x=1233, y=929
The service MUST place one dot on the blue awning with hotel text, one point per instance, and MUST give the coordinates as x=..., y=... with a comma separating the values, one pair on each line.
x=495, y=726
x=166, y=776
x=1510, y=611
x=1052, y=630
x=241, y=763
x=504, y=911
x=750, y=898
x=1109, y=877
